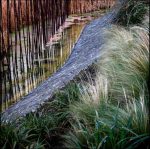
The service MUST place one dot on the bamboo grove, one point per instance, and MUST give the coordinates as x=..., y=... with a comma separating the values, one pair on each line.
x=25, y=28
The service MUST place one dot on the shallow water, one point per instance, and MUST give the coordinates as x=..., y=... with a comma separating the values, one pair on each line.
x=28, y=69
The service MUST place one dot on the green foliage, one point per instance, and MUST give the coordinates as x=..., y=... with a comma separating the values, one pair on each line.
x=107, y=111
x=125, y=62
x=60, y=105
x=109, y=126
x=67, y=96
x=12, y=137
x=32, y=132
x=43, y=129
x=132, y=13
x=113, y=109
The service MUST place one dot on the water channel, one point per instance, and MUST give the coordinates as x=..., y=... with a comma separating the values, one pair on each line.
x=32, y=68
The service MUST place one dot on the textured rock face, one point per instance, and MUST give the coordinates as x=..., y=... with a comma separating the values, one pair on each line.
x=84, y=53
